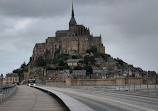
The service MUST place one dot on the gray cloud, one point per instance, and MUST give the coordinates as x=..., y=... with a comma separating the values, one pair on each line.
x=139, y=18
x=33, y=8
x=128, y=28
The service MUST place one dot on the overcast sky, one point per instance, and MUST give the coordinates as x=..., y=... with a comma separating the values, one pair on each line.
x=129, y=28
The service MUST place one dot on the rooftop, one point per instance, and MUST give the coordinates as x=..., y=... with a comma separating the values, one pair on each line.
x=12, y=75
x=73, y=37
x=62, y=31
x=79, y=71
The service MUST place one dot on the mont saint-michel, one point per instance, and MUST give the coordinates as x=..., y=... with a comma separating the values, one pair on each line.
x=76, y=57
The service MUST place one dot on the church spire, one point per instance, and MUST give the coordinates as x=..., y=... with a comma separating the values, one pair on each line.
x=72, y=23
x=72, y=15
x=72, y=20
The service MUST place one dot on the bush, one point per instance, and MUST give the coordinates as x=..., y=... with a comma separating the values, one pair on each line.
x=89, y=60
x=96, y=54
x=81, y=61
x=74, y=57
x=78, y=68
x=60, y=57
x=92, y=60
x=61, y=62
x=97, y=65
x=57, y=52
x=88, y=51
x=121, y=62
x=86, y=60
x=89, y=70
x=23, y=65
x=93, y=49
x=105, y=56
x=40, y=61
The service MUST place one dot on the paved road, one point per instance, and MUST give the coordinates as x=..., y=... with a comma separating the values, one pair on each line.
x=30, y=99
x=106, y=101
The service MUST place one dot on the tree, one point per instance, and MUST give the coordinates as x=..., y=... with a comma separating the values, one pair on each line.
x=89, y=70
x=97, y=54
x=65, y=57
x=23, y=65
x=97, y=65
x=77, y=68
x=17, y=71
x=92, y=60
x=74, y=57
x=105, y=56
x=57, y=52
x=88, y=51
x=20, y=73
x=89, y=60
x=86, y=60
x=81, y=61
x=61, y=62
x=121, y=62
x=40, y=61
x=93, y=49
x=152, y=74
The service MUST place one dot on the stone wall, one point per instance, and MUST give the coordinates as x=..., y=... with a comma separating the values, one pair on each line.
x=134, y=80
x=55, y=83
x=92, y=82
x=110, y=81
x=149, y=80
x=102, y=82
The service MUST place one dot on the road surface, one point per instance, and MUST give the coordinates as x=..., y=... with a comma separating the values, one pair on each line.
x=106, y=101
x=30, y=99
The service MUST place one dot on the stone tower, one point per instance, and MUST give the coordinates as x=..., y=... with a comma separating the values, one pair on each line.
x=72, y=23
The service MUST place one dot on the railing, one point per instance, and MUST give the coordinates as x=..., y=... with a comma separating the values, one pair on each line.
x=146, y=90
x=6, y=91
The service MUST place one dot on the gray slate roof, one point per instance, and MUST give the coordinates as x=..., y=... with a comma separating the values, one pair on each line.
x=73, y=37
x=12, y=75
x=72, y=20
x=79, y=71
x=64, y=72
x=62, y=31
x=97, y=68
x=94, y=38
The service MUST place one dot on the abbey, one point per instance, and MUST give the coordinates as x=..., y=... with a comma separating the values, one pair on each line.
x=74, y=41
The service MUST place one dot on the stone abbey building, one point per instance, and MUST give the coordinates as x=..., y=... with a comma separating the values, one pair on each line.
x=74, y=41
